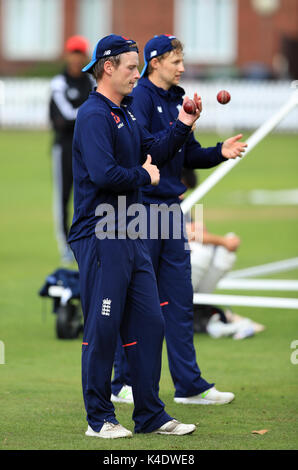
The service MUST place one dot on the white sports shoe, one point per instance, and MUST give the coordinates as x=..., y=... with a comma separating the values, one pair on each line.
x=124, y=396
x=109, y=431
x=175, y=428
x=209, y=397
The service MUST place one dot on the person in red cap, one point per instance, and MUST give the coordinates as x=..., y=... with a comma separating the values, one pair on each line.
x=69, y=89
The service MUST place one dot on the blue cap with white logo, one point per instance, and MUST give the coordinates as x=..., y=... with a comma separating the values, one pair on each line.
x=156, y=47
x=110, y=46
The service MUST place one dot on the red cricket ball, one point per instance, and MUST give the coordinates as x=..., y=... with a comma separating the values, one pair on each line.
x=223, y=97
x=189, y=107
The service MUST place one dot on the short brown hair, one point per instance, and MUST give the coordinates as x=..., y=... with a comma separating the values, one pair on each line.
x=98, y=68
x=177, y=47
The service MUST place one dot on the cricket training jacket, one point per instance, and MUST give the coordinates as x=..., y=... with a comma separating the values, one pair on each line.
x=109, y=147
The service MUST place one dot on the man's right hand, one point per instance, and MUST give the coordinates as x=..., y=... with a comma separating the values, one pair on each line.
x=190, y=119
x=152, y=170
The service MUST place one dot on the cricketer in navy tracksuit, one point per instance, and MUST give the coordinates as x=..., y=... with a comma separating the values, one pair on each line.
x=156, y=109
x=117, y=281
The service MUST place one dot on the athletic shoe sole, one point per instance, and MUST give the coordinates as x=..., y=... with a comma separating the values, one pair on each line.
x=201, y=401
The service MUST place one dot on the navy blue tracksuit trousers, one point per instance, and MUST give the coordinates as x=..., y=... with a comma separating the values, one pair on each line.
x=119, y=293
x=171, y=262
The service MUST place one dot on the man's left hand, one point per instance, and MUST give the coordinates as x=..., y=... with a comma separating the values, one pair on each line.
x=232, y=148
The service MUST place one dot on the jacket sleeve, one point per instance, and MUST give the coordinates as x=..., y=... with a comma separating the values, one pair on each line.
x=198, y=157
x=98, y=155
x=164, y=145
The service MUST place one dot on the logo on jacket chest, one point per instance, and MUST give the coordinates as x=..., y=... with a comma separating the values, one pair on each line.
x=117, y=120
x=131, y=116
x=106, y=307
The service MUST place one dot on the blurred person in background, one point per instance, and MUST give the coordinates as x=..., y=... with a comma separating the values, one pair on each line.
x=69, y=90
x=211, y=260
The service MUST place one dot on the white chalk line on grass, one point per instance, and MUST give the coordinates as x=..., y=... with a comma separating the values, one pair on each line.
x=277, y=197
x=268, y=197
x=260, y=270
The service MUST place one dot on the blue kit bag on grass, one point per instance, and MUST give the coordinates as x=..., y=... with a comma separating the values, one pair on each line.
x=63, y=287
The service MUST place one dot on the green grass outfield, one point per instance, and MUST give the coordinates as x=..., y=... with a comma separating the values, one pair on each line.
x=40, y=389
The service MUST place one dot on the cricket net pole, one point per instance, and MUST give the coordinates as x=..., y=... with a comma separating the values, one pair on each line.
x=252, y=141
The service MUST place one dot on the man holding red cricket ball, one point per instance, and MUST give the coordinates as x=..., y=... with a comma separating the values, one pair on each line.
x=156, y=103
x=223, y=97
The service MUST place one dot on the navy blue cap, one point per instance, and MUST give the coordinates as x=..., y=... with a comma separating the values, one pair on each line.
x=110, y=46
x=156, y=47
